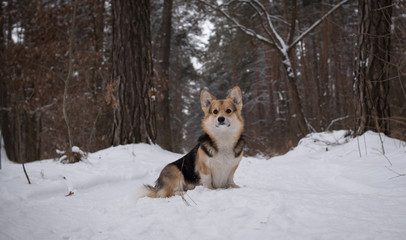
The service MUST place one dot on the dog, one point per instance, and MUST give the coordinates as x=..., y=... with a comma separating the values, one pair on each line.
x=214, y=160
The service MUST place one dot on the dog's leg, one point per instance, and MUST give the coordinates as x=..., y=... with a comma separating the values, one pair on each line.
x=230, y=181
x=206, y=181
x=169, y=182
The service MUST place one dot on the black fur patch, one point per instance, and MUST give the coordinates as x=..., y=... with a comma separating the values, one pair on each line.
x=186, y=165
x=208, y=146
x=239, y=146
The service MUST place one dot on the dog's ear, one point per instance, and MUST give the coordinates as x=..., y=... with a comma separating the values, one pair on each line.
x=206, y=99
x=236, y=96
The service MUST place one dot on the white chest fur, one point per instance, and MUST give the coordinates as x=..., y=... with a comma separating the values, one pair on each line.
x=221, y=165
x=223, y=161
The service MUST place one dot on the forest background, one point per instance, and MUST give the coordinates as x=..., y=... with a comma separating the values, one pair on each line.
x=59, y=86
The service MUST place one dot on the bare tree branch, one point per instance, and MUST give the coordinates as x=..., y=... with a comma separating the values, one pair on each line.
x=42, y=108
x=317, y=23
x=336, y=120
x=276, y=40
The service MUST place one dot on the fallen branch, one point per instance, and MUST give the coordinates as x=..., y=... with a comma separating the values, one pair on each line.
x=26, y=175
x=191, y=199
x=398, y=174
x=69, y=194
x=387, y=159
x=184, y=199
x=336, y=120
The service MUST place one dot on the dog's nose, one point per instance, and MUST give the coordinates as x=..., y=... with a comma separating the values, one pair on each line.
x=221, y=119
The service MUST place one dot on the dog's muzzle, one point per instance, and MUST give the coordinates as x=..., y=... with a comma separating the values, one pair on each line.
x=222, y=121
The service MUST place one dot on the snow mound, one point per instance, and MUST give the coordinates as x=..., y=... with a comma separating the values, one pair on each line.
x=331, y=186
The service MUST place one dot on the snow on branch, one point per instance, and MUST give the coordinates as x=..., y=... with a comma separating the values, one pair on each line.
x=43, y=108
x=336, y=120
x=310, y=126
x=245, y=29
x=274, y=34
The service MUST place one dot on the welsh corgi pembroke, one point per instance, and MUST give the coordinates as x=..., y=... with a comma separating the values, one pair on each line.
x=214, y=160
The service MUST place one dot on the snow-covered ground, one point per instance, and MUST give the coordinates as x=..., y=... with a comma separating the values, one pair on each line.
x=329, y=187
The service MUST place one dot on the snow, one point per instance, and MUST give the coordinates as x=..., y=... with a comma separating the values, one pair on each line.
x=76, y=149
x=330, y=186
x=202, y=40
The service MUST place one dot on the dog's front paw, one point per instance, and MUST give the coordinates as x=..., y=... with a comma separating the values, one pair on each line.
x=233, y=185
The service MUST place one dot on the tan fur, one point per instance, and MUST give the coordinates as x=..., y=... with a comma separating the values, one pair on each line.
x=205, y=96
x=233, y=170
x=232, y=184
x=201, y=163
x=172, y=181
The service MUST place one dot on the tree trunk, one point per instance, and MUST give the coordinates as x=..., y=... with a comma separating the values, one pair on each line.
x=294, y=94
x=3, y=93
x=162, y=81
x=371, y=84
x=20, y=128
x=325, y=84
x=67, y=81
x=132, y=68
x=288, y=63
x=98, y=35
x=307, y=90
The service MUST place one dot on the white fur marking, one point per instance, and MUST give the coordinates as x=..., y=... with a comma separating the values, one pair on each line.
x=221, y=166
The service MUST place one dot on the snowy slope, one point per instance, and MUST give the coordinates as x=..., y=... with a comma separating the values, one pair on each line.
x=329, y=187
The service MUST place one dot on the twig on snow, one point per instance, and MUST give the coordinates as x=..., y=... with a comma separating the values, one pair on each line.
x=182, y=195
x=398, y=174
x=359, y=148
x=26, y=175
x=387, y=159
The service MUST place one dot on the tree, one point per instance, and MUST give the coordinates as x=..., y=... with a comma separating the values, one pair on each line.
x=132, y=70
x=70, y=155
x=371, y=84
x=161, y=78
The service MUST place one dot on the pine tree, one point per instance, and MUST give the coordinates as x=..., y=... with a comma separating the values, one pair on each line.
x=132, y=69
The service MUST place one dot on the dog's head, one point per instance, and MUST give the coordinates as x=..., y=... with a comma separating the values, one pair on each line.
x=222, y=115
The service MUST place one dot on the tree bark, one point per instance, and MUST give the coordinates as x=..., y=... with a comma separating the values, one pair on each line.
x=3, y=92
x=132, y=67
x=371, y=82
x=162, y=80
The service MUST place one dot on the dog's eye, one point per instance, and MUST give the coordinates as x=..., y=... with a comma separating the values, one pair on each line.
x=215, y=111
x=228, y=111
